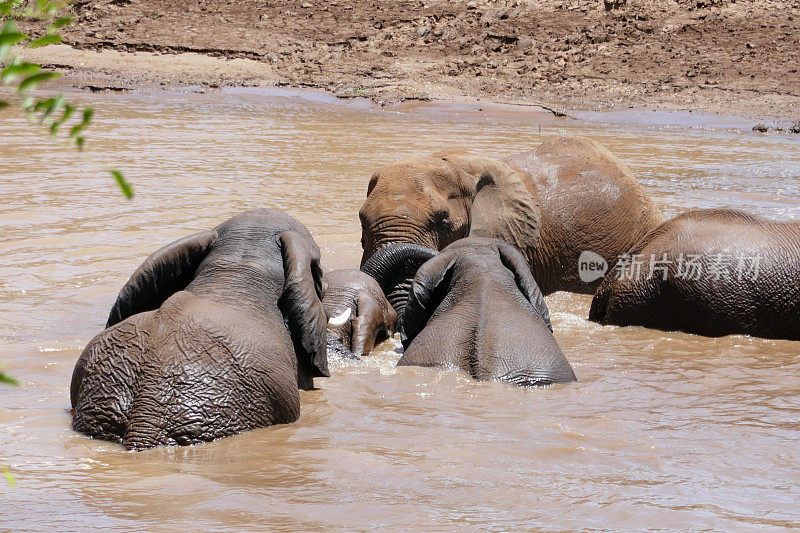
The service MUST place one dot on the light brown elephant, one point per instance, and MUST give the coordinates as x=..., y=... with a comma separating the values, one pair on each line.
x=589, y=201
x=567, y=196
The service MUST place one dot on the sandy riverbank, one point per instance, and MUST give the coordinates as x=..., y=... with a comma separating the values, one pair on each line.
x=730, y=57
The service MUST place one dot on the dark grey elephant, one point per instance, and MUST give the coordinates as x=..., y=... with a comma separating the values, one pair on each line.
x=359, y=314
x=211, y=336
x=476, y=306
x=712, y=272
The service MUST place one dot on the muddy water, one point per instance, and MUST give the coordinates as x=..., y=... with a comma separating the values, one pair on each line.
x=663, y=430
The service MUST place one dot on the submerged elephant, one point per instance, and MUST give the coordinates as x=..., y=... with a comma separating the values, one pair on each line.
x=476, y=306
x=567, y=196
x=211, y=336
x=359, y=314
x=712, y=272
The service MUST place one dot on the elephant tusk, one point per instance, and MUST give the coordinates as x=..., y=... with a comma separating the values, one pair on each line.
x=341, y=319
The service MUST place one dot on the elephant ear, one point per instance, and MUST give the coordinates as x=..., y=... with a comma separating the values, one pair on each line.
x=516, y=263
x=428, y=289
x=168, y=270
x=301, y=303
x=503, y=207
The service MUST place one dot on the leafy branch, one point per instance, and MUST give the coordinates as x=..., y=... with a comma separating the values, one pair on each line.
x=52, y=113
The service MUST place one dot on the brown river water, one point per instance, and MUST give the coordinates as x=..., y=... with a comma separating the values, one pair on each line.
x=663, y=430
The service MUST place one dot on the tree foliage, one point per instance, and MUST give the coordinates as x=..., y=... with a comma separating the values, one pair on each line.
x=53, y=114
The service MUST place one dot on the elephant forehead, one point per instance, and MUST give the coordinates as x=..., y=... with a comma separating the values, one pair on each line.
x=349, y=279
x=422, y=174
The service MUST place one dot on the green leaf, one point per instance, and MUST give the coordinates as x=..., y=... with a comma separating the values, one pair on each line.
x=3, y=104
x=45, y=7
x=126, y=188
x=6, y=47
x=32, y=81
x=68, y=110
x=8, y=380
x=9, y=478
x=9, y=27
x=88, y=113
x=11, y=37
x=49, y=106
x=41, y=105
x=44, y=41
x=14, y=71
x=76, y=130
x=57, y=106
x=61, y=22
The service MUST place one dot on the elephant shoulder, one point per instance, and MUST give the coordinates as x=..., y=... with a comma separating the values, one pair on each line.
x=571, y=163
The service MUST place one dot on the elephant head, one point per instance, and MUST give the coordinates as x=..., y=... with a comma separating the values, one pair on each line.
x=359, y=314
x=434, y=201
x=212, y=335
x=476, y=306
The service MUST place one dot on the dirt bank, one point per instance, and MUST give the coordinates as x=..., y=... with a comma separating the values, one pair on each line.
x=735, y=57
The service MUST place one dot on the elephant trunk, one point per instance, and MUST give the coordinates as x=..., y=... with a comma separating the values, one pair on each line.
x=394, y=268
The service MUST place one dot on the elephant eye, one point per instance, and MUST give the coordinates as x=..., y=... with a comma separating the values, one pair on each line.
x=441, y=219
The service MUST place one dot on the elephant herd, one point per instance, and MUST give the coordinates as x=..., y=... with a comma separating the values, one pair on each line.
x=215, y=333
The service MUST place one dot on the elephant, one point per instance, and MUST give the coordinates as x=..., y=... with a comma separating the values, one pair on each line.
x=359, y=314
x=211, y=336
x=589, y=202
x=712, y=272
x=568, y=196
x=476, y=306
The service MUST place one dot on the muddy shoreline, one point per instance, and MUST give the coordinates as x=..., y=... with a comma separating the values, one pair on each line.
x=724, y=57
